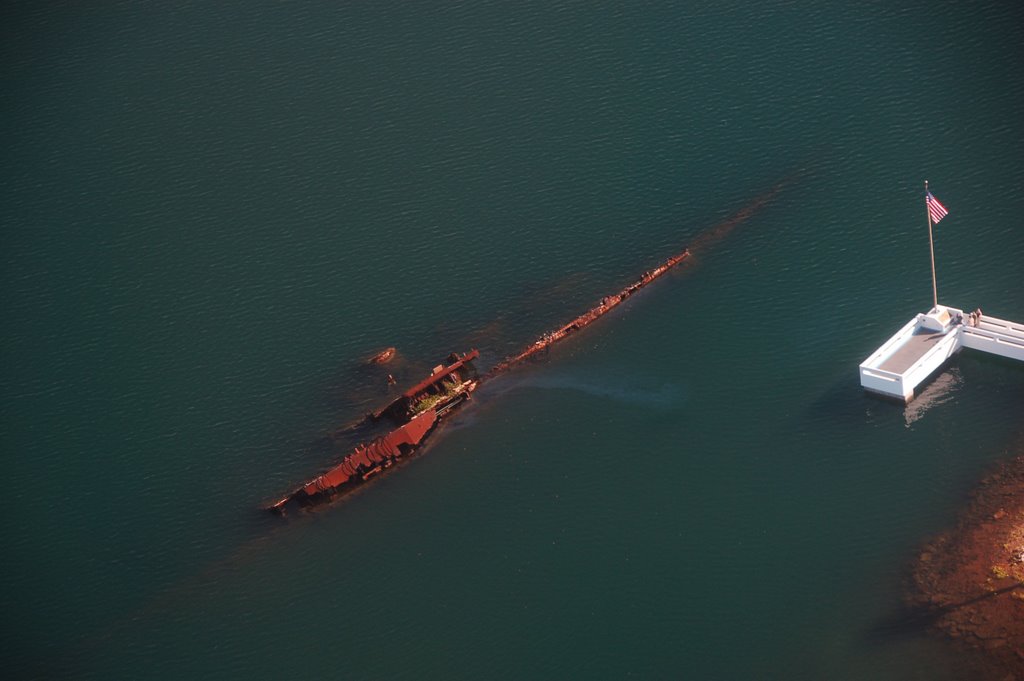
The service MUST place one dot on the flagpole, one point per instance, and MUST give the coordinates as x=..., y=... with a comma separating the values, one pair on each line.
x=931, y=246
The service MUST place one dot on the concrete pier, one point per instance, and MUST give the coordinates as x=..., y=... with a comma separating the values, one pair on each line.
x=922, y=347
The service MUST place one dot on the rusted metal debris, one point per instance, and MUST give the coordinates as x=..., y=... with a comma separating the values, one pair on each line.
x=363, y=463
x=419, y=409
x=607, y=304
x=446, y=384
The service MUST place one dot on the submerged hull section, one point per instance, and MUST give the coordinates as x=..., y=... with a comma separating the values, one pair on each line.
x=419, y=410
x=364, y=462
x=446, y=386
x=606, y=305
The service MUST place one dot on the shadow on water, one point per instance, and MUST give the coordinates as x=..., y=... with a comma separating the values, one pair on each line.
x=914, y=620
x=940, y=390
x=845, y=405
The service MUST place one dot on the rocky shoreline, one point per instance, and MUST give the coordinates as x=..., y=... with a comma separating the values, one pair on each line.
x=969, y=581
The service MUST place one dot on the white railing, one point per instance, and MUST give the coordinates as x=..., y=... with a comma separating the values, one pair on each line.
x=883, y=382
x=1011, y=328
x=880, y=374
x=998, y=343
x=995, y=335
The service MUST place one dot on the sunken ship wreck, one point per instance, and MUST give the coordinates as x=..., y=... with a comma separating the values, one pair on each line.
x=417, y=412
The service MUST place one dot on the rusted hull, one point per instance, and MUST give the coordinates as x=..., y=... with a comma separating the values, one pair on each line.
x=421, y=408
x=364, y=462
x=446, y=384
x=589, y=317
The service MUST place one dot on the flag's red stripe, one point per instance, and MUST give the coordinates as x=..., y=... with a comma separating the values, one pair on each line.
x=935, y=209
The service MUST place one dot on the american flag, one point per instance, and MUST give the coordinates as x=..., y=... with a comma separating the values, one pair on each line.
x=935, y=209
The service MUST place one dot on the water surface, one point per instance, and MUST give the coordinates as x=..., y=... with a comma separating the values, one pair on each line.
x=212, y=214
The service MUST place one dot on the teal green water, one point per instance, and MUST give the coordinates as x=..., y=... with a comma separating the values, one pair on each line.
x=213, y=213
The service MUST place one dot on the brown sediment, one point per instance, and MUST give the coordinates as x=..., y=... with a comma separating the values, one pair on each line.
x=970, y=579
